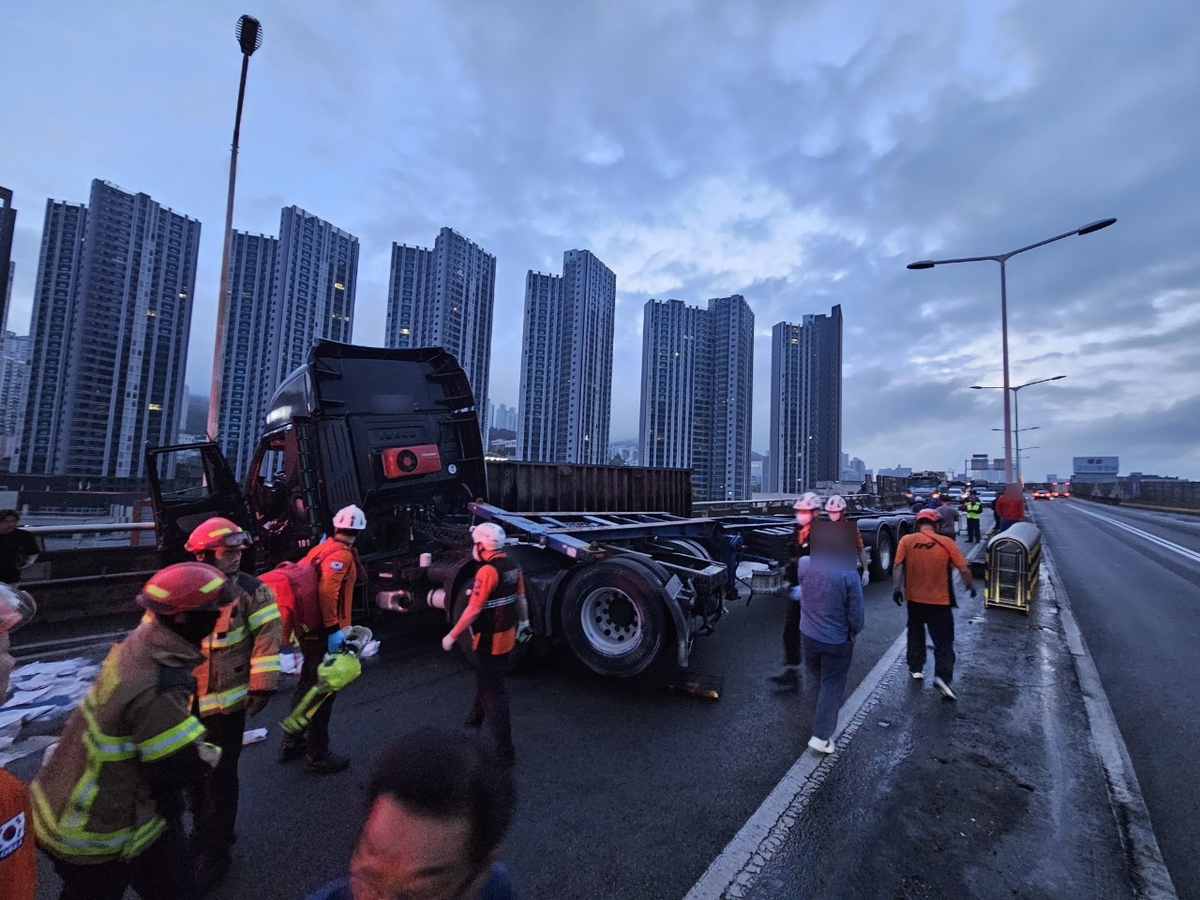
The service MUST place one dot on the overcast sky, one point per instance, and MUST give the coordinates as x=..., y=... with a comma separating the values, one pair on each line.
x=799, y=153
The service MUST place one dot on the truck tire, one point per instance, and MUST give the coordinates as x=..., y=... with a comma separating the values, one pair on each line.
x=882, y=558
x=464, y=643
x=613, y=618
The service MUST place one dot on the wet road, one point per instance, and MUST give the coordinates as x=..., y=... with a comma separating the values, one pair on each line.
x=1133, y=578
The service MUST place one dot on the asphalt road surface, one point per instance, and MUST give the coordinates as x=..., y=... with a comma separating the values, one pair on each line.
x=1133, y=579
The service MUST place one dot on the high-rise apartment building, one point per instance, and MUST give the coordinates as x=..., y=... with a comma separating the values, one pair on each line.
x=248, y=375
x=806, y=403
x=285, y=294
x=110, y=325
x=14, y=386
x=566, y=362
x=697, y=387
x=8, y=224
x=443, y=298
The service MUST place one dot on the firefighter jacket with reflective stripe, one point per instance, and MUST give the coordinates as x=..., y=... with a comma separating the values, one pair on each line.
x=242, y=653
x=974, y=509
x=496, y=592
x=93, y=800
x=338, y=567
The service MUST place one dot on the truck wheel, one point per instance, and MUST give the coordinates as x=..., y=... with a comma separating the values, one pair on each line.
x=881, y=559
x=613, y=618
x=464, y=644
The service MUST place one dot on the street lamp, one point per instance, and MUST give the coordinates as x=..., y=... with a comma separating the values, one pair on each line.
x=1016, y=415
x=249, y=38
x=1017, y=432
x=1003, y=258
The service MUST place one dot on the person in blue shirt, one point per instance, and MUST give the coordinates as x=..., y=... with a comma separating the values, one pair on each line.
x=438, y=807
x=831, y=616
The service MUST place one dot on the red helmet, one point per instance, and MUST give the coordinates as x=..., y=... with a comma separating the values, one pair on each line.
x=928, y=515
x=186, y=587
x=215, y=533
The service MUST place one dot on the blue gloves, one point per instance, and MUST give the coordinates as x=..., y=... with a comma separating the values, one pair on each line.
x=335, y=640
x=524, y=631
x=794, y=593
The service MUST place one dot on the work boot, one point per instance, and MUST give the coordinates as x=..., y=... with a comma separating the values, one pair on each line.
x=788, y=680
x=210, y=868
x=329, y=764
x=291, y=748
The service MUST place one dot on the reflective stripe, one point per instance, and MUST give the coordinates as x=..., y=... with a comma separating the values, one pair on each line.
x=229, y=639
x=263, y=616
x=171, y=740
x=262, y=664
x=500, y=601
x=74, y=840
x=102, y=746
x=222, y=700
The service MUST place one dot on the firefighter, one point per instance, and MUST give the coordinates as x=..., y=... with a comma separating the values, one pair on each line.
x=840, y=538
x=238, y=676
x=807, y=508
x=338, y=570
x=497, y=616
x=18, y=863
x=108, y=802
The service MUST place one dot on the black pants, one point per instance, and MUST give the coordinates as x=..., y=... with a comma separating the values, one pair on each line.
x=791, y=634
x=160, y=872
x=316, y=736
x=972, y=530
x=491, y=698
x=940, y=622
x=214, y=797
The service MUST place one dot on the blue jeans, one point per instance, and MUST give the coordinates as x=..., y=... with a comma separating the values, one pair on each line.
x=828, y=665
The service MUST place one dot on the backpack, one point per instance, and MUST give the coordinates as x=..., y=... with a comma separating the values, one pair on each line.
x=296, y=586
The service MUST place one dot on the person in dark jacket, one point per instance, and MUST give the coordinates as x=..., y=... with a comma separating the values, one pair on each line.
x=831, y=616
x=438, y=808
x=807, y=508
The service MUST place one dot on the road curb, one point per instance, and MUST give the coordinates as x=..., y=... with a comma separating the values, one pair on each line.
x=731, y=875
x=1151, y=879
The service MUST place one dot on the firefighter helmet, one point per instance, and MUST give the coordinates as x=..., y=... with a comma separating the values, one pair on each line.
x=489, y=535
x=350, y=518
x=928, y=515
x=215, y=533
x=836, y=503
x=809, y=501
x=16, y=608
x=186, y=587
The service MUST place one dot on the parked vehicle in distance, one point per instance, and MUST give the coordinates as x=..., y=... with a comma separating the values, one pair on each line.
x=986, y=496
x=1041, y=494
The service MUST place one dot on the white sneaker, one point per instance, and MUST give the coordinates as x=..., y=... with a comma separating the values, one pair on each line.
x=917, y=676
x=826, y=747
x=944, y=688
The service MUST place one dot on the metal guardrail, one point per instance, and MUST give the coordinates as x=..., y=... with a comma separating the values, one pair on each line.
x=93, y=528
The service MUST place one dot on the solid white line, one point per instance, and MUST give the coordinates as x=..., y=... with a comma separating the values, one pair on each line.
x=1162, y=542
x=757, y=840
x=1151, y=880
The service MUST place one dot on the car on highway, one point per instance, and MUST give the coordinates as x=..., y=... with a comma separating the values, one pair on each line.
x=1041, y=494
x=986, y=496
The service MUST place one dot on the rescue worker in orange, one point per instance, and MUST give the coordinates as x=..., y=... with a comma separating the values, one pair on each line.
x=338, y=565
x=496, y=617
x=239, y=674
x=807, y=508
x=18, y=862
x=108, y=802
x=921, y=575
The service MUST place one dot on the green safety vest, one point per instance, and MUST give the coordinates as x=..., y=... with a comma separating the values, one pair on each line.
x=974, y=508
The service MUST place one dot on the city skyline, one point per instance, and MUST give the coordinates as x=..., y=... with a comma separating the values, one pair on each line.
x=800, y=156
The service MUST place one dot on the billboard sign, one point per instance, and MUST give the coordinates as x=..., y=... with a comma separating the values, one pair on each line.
x=1096, y=465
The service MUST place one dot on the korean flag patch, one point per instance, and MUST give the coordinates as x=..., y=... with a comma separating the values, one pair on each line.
x=12, y=835
x=337, y=566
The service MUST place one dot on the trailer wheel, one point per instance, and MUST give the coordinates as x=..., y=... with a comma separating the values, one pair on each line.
x=464, y=643
x=613, y=618
x=881, y=559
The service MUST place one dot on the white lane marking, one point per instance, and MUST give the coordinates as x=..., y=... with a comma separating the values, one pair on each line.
x=762, y=835
x=1151, y=879
x=1154, y=539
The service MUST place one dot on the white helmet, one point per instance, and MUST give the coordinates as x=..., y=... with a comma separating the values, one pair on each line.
x=836, y=503
x=809, y=501
x=489, y=535
x=350, y=518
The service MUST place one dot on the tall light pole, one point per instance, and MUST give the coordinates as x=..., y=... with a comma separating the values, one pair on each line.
x=1016, y=414
x=1003, y=258
x=1017, y=432
x=249, y=38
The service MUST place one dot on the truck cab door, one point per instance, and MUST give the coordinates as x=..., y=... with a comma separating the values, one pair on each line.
x=188, y=484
